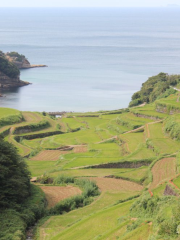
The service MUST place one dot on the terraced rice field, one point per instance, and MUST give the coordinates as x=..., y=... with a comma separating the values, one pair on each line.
x=79, y=148
x=96, y=225
x=48, y=155
x=100, y=140
x=161, y=142
x=5, y=112
x=72, y=123
x=54, y=194
x=163, y=170
x=32, y=117
x=133, y=140
x=112, y=184
x=149, y=111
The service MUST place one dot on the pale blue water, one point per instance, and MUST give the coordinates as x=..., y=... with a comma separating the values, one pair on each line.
x=97, y=58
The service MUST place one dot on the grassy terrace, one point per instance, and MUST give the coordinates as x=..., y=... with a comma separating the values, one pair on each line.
x=170, y=103
x=102, y=138
x=6, y=112
x=149, y=111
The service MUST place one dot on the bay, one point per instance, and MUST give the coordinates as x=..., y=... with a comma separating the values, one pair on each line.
x=97, y=58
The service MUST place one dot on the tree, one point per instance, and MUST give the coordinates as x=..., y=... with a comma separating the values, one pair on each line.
x=14, y=176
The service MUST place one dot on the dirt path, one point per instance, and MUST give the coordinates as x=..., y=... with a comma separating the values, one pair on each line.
x=163, y=170
x=127, y=146
x=12, y=130
x=148, y=132
x=115, y=137
x=54, y=194
x=134, y=130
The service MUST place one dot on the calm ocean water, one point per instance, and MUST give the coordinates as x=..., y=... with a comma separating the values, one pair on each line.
x=97, y=58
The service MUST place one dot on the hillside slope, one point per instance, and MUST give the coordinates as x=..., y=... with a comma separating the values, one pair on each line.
x=132, y=156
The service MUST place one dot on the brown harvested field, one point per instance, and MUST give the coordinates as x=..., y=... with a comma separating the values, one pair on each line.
x=55, y=194
x=48, y=155
x=163, y=170
x=112, y=184
x=79, y=148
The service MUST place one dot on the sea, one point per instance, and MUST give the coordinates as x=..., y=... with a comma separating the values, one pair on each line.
x=97, y=57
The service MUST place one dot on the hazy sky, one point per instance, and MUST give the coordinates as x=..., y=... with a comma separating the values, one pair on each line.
x=87, y=3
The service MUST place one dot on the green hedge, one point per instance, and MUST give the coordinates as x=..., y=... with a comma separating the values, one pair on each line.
x=33, y=127
x=11, y=119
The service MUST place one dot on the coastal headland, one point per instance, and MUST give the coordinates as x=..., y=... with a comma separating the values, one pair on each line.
x=10, y=65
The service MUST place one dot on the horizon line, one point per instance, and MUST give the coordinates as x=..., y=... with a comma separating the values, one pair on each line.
x=177, y=6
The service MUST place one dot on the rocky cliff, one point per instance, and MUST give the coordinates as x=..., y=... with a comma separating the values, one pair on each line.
x=8, y=82
x=9, y=74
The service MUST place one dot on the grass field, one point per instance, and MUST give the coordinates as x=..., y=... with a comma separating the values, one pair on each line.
x=48, y=155
x=148, y=110
x=94, y=225
x=136, y=175
x=38, y=168
x=176, y=181
x=163, y=170
x=170, y=103
x=81, y=224
x=72, y=123
x=161, y=143
x=5, y=112
x=133, y=140
x=159, y=191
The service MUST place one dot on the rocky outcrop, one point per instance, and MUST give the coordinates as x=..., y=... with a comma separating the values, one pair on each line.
x=8, y=82
x=21, y=61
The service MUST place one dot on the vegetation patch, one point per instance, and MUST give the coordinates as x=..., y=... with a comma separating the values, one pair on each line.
x=172, y=126
x=155, y=87
x=7, y=67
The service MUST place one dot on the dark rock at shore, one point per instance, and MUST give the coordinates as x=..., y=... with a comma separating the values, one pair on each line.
x=7, y=82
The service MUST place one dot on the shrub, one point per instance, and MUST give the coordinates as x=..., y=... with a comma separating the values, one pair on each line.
x=62, y=179
x=172, y=127
x=8, y=68
x=11, y=120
